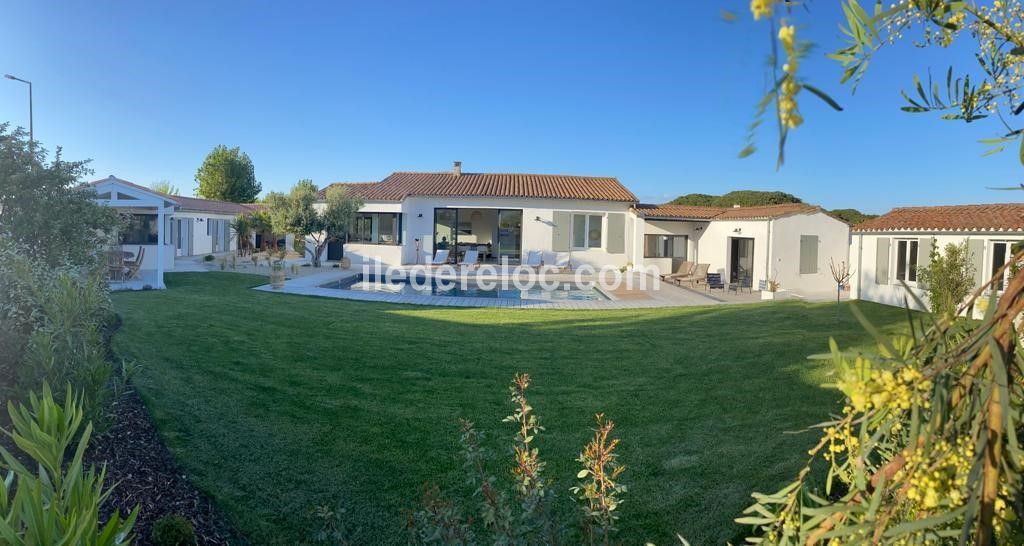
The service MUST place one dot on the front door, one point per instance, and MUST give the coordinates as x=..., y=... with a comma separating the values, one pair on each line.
x=741, y=259
x=182, y=236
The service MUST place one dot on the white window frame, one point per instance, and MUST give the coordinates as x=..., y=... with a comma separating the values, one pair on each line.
x=990, y=261
x=586, y=230
x=907, y=269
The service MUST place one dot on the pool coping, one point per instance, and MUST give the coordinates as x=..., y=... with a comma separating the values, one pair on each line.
x=309, y=285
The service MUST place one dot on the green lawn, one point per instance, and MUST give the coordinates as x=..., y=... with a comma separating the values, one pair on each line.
x=277, y=403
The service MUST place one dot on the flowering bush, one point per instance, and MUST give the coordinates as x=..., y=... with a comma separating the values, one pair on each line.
x=926, y=448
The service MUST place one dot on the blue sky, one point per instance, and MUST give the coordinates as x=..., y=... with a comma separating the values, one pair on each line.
x=658, y=94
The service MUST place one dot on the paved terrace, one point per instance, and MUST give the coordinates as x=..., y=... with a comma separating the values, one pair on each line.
x=655, y=294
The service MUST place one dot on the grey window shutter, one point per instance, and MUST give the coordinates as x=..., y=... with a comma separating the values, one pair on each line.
x=924, y=257
x=560, y=231
x=976, y=254
x=616, y=233
x=191, y=229
x=808, y=254
x=882, y=260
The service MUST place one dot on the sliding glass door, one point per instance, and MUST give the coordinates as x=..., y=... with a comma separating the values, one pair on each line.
x=445, y=229
x=497, y=233
x=510, y=234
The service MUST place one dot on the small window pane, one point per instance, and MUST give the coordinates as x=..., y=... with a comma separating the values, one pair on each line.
x=651, y=246
x=998, y=259
x=579, y=230
x=594, y=233
x=677, y=248
x=388, y=229
x=901, y=260
x=912, y=262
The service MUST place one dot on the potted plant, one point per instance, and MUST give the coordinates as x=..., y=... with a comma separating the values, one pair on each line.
x=277, y=275
x=771, y=288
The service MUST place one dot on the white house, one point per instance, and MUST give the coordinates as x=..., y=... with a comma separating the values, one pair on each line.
x=892, y=247
x=408, y=216
x=165, y=227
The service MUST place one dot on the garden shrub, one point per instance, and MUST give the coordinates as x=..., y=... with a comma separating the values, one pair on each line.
x=529, y=513
x=56, y=503
x=949, y=278
x=927, y=447
x=209, y=258
x=173, y=531
x=54, y=324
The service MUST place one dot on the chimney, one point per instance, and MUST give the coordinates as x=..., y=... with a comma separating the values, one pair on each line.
x=457, y=168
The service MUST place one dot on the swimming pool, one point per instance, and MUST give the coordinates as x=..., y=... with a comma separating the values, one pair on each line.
x=498, y=288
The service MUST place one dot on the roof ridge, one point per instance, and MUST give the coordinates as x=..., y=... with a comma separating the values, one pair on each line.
x=507, y=174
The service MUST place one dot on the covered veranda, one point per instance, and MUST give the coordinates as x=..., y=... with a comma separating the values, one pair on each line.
x=143, y=248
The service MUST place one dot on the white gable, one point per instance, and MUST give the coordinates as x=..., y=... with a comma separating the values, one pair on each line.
x=114, y=192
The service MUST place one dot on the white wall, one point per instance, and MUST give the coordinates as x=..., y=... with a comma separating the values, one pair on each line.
x=833, y=242
x=714, y=246
x=202, y=244
x=863, y=248
x=693, y=230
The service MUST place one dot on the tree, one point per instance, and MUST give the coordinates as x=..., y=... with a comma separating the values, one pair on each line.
x=743, y=198
x=165, y=186
x=949, y=277
x=295, y=213
x=851, y=216
x=45, y=208
x=927, y=446
x=243, y=226
x=227, y=174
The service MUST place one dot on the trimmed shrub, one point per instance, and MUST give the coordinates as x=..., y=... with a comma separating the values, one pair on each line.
x=173, y=531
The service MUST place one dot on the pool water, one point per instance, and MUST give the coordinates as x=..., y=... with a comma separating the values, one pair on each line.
x=499, y=288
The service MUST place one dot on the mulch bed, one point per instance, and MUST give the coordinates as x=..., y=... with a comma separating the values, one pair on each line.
x=146, y=475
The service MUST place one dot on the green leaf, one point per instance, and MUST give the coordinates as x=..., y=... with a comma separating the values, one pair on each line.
x=823, y=96
x=582, y=473
x=747, y=151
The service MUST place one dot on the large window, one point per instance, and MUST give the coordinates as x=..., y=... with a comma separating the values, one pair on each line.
x=906, y=260
x=141, y=230
x=586, y=230
x=665, y=246
x=377, y=228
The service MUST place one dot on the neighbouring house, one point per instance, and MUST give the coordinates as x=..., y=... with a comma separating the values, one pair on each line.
x=408, y=216
x=165, y=227
x=893, y=247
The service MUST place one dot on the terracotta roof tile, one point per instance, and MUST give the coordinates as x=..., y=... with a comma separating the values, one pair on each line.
x=400, y=185
x=766, y=211
x=995, y=217
x=678, y=211
x=721, y=213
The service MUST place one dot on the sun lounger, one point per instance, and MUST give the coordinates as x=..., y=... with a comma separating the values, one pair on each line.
x=685, y=269
x=533, y=258
x=470, y=258
x=440, y=257
x=700, y=274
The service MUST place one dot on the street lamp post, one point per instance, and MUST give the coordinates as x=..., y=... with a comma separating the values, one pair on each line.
x=31, y=134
